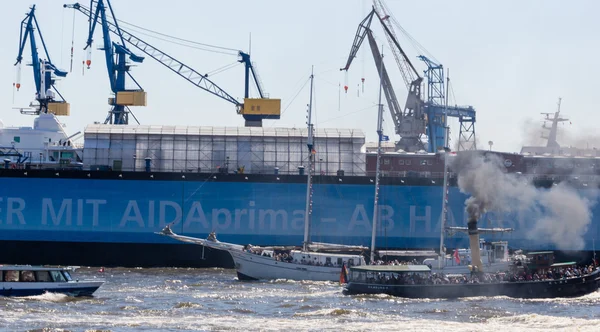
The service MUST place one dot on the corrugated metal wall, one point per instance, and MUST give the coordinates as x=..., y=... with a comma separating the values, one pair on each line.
x=206, y=149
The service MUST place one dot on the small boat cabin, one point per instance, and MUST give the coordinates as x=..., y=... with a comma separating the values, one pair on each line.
x=382, y=274
x=15, y=273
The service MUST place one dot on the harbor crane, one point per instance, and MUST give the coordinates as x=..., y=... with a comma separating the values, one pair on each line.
x=409, y=122
x=118, y=67
x=419, y=118
x=44, y=71
x=254, y=110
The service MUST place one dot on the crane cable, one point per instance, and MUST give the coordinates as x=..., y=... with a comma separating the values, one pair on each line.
x=72, y=42
x=181, y=44
x=223, y=49
x=412, y=40
x=180, y=39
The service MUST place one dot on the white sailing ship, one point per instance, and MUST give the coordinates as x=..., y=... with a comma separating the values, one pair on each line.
x=313, y=261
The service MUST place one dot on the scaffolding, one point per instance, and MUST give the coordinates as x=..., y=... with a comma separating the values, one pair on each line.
x=254, y=150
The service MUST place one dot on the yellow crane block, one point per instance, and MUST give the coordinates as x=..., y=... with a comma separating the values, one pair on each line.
x=131, y=98
x=59, y=109
x=270, y=108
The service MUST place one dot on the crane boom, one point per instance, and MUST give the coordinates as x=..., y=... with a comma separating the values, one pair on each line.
x=163, y=58
x=409, y=123
x=361, y=32
x=201, y=81
x=387, y=88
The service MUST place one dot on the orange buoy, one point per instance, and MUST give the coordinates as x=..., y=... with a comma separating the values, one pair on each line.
x=88, y=63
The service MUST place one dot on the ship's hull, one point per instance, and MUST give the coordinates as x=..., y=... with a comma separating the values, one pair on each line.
x=572, y=287
x=109, y=218
x=255, y=267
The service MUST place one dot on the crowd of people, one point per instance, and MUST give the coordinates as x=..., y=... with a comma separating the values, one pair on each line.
x=440, y=278
x=284, y=256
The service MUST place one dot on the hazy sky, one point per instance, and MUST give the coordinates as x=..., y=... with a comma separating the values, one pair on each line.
x=511, y=60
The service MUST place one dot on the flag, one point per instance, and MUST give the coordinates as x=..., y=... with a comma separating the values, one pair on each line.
x=384, y=138
x=456, y=257
x=344, y=275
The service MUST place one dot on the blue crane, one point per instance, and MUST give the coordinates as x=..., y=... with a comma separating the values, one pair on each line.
x=254, y=110
x=436, y=106
x=44, y=71
x=116, y=63
x=438, y=111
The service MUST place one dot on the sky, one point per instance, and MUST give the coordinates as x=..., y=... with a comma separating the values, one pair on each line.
x=510, y=60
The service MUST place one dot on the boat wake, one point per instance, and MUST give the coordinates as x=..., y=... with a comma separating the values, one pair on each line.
x=54, y=298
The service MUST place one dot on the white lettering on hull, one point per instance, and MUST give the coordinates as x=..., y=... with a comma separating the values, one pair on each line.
x=11, y=210
x=64, y=214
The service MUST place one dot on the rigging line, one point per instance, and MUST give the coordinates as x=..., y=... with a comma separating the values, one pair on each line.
x=177, y=38
x=247, y=153
x=177, y=43
x=294, y=98
x=336, y=69
x=222, y=69
x=451, y=87
x=72, y=42
x=62, y=36
x=415, y=43
x=345, y=115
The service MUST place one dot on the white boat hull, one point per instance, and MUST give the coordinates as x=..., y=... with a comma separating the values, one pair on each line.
x=250, y=266
x=255, y=266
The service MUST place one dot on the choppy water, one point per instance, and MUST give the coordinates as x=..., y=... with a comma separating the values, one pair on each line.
x=212, y=299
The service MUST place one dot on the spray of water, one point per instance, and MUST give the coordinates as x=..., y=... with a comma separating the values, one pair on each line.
x=559, y=215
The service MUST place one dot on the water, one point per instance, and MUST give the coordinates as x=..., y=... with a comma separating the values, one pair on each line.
x=212, y=299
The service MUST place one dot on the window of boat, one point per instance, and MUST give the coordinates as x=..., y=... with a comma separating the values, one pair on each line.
x=408, y=162
x=401, y=162
x=67, y=275
x=27, y=276
x=57, y=276
x=386, y=161
x=11, y=276
x=423, y=162
x=351, y=262
x=43, y=276
x=340, y=261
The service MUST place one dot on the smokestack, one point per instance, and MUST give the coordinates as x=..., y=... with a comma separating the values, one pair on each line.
x=474, y=243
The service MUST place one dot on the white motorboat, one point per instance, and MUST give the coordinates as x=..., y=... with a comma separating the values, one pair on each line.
x=26, y=280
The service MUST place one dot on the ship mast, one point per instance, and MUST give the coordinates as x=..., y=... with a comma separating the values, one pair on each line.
x=309, y=144
x=378, y=158
x=553, y=130
x=445, y=185
x=444, y=200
